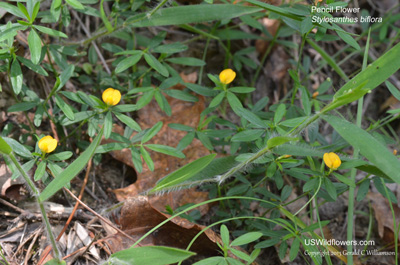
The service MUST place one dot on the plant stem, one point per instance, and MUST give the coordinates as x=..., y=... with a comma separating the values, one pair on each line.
x=36, y=194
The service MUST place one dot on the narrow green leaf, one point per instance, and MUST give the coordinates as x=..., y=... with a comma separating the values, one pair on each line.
x=22, y=106
x=330, y=189
x=395, y=91
x=75, y=4
x=65, y=108
x=51, y=32
x=60, y=156
x=4, y=147
x=242, y=89
x=363, y=190
x=344, y=180
x=234, y=102
x=294, y=249
x=247, y=136
x=279, y=140
x=17, y=147
x=164, y=149
x=22, y=8
x=34, y=67
x=125, y=108
x=182, y=95
x=104, y=17
x=128, y=121
x=127, y=62
x=156, y=65
x=152, y=132
x=137, y=161
x=16, y=77
x=189, y=61
x=147, y=158
x=224, y=235
x=108, y=124
x=71, y=171
x=217, y=100
x=154, y=255
x=279, y=113
x=251, y=117
x=347, y=38
x=246, y=238
x=195, y=14
x=184, y=173
x=377, y=72
x=39, y=173
x=369, y=147
x=35, y=10
x=35, y=46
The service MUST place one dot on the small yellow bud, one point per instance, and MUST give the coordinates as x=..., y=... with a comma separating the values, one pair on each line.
x=315, y=94
x=395, y=151
x=332, y=160
x=111, y=96
x=47, y=144
x=227, y=76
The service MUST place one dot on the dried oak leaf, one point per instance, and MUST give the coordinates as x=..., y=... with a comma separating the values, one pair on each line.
x=138, y=216
x=187, y=113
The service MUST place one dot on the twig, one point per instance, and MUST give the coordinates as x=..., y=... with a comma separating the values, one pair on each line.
x=98, y=215
x=28, y=255
x=93, y=42
x=89, y=166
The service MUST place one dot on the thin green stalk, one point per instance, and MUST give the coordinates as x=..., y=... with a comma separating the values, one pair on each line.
x=36, y=194
x=310, y=200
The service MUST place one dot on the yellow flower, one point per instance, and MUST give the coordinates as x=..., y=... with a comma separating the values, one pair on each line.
x=111, y=96
x=47, y=144
x=227, y=76
x=332, y=160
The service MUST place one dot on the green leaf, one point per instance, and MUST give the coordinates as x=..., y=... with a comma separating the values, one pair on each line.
x=347, y=38
x=154, y=255
x=156, y=65
x=217, y=100
x=251, y=117
x=182, y=95
x=125, y=108
x=362, y=190
x=75, y=4
x=205, y=140
x=246, y=238
x=128, y=121
x=330, y=189
x=190, y=61
x=39, y=173
x=195, y=14
x=35, y=46
x=71, y=171
x=369, y=147
x=147, y=158
x=294, y=249
x=22, y=8
x=66, y=75
x=152, y=132
x=65, y=108
x=171, y=48
x=51, y=32
x=35, y=10
x=104, y=17
x=212, y=260
x=306, y=25
x=16, y=77
x=4, y=147
x=242, y=89
x=12, y=9
x=137, y=161
x=247, y=136
x=224, y=235
x=184, y=173
x=36, y=68
x=234, y=102
x=22, y=106
x=108, y=124
x=60, y=156
x=128, y=62
x=344, y=180
x=279, y=140
x=376, y=73
x=395, y=92
x=55, y=262
x=240, y=255
x=279, y=113
x=164, y=149
x=18, y=148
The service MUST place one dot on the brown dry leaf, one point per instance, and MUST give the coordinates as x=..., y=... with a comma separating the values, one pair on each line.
x=12, y=189
x=138, y=217
x=383, y=215
x=187, y=113
x=272, y=26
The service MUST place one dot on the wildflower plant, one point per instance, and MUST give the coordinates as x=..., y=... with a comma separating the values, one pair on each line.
x=270, y=140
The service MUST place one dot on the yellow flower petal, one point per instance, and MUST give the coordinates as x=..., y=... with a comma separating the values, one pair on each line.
x=227, y=76
x=332, y=160
x=111, y=96
x=47, y=144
